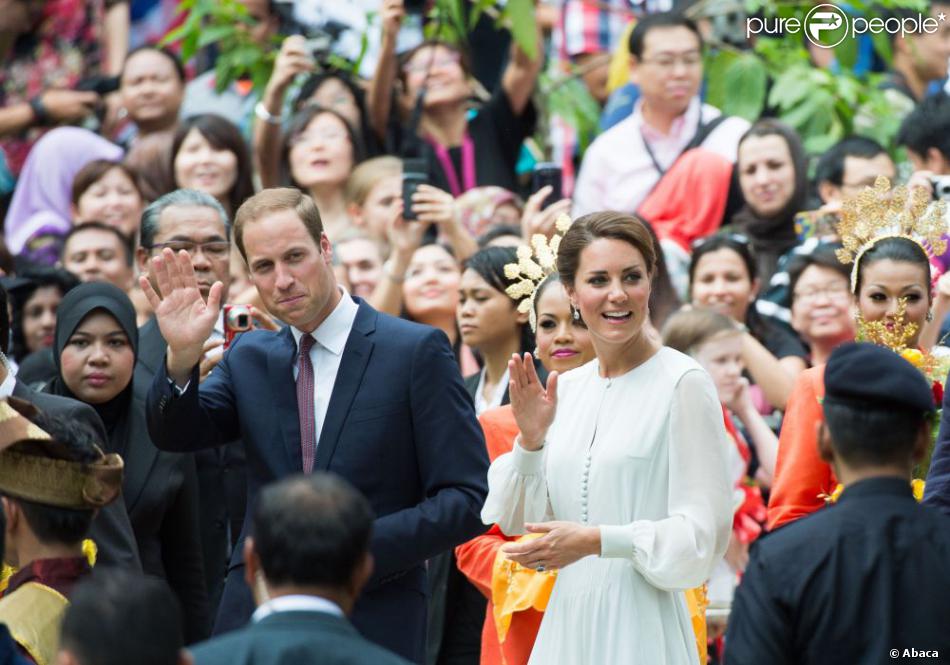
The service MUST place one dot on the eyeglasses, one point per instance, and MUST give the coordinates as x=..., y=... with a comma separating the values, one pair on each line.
x=836, y=292
x=422, y=64
x=216, y=249
x=668, y=62
x=309, y=138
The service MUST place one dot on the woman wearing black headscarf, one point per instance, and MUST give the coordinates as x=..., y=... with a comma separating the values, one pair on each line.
x=95, y=348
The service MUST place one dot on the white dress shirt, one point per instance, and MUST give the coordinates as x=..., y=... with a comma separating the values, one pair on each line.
x=326, y=354
x=617, y=172
x=296, y=603
x=481, y=404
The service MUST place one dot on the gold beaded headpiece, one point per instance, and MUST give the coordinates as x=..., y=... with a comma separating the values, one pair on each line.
x=534, y=264
x=881, y=212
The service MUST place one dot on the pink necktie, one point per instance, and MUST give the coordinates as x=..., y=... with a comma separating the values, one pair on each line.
x=308, y=422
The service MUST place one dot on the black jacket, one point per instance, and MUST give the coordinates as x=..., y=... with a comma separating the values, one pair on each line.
x=852, y=583
x=295, y=638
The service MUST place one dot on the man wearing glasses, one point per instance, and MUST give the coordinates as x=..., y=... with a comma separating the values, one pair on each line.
x=194, y=221
x=625, y=163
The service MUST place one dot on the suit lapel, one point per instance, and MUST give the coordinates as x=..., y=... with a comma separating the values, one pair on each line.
x=356, y=355
x=281, y=358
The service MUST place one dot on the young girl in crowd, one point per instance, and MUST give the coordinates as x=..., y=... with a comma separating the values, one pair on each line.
x=773, y=177
x=373, y=193
x=319, y=152
x=108, y=192
x=715, y=342
x=723, y=276
x=491, y=324
x=209, y=154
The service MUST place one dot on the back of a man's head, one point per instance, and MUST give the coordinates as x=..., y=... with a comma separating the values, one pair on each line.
x=116, y=617
x=311, y=531
x=925, y=132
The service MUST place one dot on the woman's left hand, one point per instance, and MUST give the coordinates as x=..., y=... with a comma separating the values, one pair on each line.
x=431, y=204
x=562, y=544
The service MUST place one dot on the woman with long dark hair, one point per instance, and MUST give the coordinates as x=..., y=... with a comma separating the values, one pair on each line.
x=209, y=154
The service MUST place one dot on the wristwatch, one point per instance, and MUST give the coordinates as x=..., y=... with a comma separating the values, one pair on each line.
x=40, y=114
x=261, y=112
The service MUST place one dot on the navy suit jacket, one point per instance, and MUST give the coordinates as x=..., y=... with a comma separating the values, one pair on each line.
x=937, y=488
x=400, y=427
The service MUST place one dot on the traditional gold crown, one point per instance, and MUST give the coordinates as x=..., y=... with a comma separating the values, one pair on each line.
x=533, y=265
x=881, y=212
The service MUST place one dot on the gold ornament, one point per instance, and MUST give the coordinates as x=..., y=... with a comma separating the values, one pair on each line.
x=893, y=333
x=881, y=212
x=534, y=264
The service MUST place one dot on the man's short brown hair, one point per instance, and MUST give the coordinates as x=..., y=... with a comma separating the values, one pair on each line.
x=275, y=200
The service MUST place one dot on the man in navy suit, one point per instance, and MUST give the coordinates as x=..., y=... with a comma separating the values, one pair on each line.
x=374, y=399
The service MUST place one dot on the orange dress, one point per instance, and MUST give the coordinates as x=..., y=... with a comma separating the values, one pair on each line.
x=801, y=477
x=476, y=560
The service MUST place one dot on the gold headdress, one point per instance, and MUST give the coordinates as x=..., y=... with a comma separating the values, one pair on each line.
x=33, y=466
x=534, y=264
x=880, y=212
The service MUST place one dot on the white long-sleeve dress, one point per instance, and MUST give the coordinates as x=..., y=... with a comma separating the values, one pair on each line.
x=643, y=456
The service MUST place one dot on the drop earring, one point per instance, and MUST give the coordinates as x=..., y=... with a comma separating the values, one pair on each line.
x=930, y=316
x=575, y=313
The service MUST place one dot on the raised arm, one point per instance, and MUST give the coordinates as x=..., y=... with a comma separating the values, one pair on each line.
x=521, y=74
x=185, y=319
x=292, y=60
x=379, y=96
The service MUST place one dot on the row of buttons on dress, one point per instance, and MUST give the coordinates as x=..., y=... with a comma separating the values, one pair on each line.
x=586, y=478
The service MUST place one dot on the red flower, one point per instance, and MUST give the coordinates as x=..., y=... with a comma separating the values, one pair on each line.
x=938, y=393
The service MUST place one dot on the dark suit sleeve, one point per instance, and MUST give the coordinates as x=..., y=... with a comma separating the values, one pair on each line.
x=195, y=419
x=111, y=529
x=759, y=626
x=937, y=489
x=452, y=461
x=181, y=554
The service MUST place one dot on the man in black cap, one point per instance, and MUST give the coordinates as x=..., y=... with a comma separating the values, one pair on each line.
x=867, y=579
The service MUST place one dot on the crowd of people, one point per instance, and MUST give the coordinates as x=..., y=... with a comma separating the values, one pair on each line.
x=324, y=371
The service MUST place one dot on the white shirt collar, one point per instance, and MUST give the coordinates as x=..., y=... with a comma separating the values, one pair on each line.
x=335, y=329
x=296, y=603
x=9, y=383
x=688, y=120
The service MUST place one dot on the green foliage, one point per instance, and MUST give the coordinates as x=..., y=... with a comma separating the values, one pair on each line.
x=779, y=78
x=447, y=21
x=566, y=96
x=225, y=23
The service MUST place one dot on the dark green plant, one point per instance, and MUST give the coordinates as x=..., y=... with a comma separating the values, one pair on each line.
x=778, y=75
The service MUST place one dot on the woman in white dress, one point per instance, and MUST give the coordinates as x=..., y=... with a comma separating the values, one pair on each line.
x=621, y=465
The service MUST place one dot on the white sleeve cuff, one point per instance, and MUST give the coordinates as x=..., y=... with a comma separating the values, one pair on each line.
x=527, y=462
x=621, y=541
